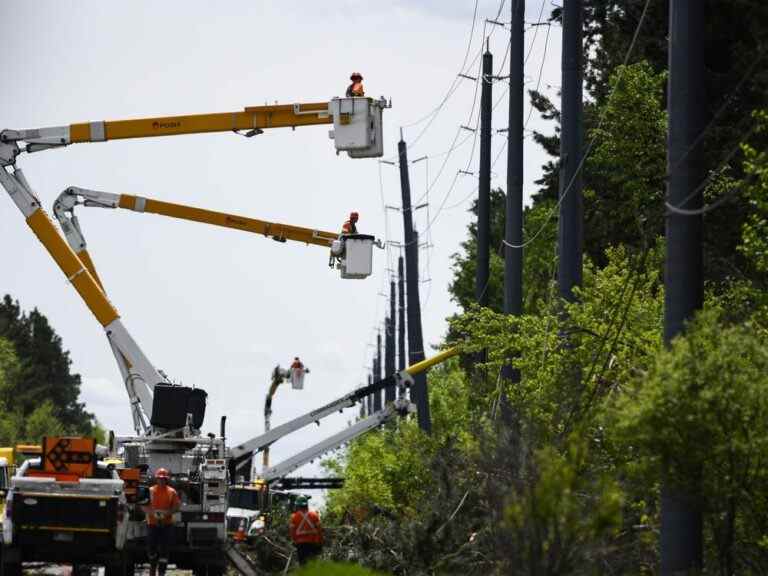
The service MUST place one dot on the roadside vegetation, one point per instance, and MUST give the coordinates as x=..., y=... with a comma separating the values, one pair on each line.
x=39, y=395
x=561, y=472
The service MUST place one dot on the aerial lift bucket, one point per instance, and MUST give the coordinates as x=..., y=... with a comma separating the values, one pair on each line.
x=297, y=378
x=357, y=261
x=357, y=126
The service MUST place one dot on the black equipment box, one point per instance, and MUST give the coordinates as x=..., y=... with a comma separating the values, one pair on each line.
x=171, y=404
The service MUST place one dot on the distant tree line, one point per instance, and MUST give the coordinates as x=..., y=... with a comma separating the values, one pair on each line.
x=39, y=394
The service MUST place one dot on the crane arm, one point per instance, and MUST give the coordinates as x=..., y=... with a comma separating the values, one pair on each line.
x=67, y=200
x=138, y=373
x=403, y=379
x=399, y=407
x=357, y=126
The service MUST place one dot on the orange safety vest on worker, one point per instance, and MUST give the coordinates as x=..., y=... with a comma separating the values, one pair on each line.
x=349, y=227
x=306, y=528
x=162, y=499
x=355, y=90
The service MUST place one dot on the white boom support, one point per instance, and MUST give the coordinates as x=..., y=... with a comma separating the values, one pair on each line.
x=399, y=407
x=347, y=401
x=139, y=375
x=403, y=379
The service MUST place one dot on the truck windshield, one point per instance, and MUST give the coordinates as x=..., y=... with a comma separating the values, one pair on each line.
x=248, y=499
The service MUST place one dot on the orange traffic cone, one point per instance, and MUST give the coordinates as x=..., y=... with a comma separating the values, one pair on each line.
x=240, y=534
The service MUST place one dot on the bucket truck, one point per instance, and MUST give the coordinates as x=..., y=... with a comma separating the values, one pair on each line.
x=252, y=509
x=168, y=418
x=241, y=454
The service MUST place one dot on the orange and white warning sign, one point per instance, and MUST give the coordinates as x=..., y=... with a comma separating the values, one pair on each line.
x=69, y=455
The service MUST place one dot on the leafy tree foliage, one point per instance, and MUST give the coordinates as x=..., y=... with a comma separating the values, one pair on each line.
x=702, y=409
x=755, y=229
x=44, y=369
x=15, y=426
x=567, y=479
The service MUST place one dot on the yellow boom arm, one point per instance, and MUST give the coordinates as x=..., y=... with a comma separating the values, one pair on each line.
x=357, y=126
x=64, y=210
x=280, y=232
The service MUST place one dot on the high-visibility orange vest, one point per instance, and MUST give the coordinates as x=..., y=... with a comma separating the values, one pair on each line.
x=355, y=89
x=349, y=227
x=306, y=528
x=162, y=499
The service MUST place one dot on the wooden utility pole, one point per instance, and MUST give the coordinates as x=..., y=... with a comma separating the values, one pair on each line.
x=513, y=225
x=391, y=353
x=419, y=394
x=681, y=517
x=377, y=373
x=571, y=235
x=484, y=184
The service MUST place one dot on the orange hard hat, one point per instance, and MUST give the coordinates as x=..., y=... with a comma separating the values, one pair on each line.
x=354, y=216
x=162, y=473
x=356, y=75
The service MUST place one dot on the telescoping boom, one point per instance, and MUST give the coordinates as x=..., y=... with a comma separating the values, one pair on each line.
x=351, y=253
x=357, y=130
x=241, y=454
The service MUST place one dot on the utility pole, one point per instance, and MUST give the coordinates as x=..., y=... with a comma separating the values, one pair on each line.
x=681, y=517
x=401, y=353
x=391, y=353
x=419, y=393
x=484, y=184
x=571, y=235
x=513, y=224
x=369, y=398
x=377, y=373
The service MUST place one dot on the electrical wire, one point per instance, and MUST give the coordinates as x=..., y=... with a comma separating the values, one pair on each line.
x=454, y=84
x=592, y=142
x=708, y=180
x=538, y=84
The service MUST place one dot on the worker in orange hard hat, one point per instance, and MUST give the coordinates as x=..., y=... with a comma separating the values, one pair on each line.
x=164, y=501
x=350, y=226
x=356, y=88
x=306, y=531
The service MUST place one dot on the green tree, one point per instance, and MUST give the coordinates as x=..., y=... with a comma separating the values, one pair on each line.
x=701, y=413
x=43, y=422
x=44, y=368
x=754, y=243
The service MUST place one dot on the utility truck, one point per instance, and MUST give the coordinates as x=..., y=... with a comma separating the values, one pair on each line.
x=168, y=418
x=65, y=506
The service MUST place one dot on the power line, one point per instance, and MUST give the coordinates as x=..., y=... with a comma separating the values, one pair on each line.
x=708, y=180
x=594, y=138
x=454, y=84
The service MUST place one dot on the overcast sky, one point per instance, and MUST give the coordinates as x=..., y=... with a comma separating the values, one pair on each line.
x=219, y=308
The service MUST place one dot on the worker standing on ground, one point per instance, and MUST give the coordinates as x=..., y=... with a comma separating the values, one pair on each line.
x=350, y=226
x=306, y=531
x=163, y=503
x=356, y=88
